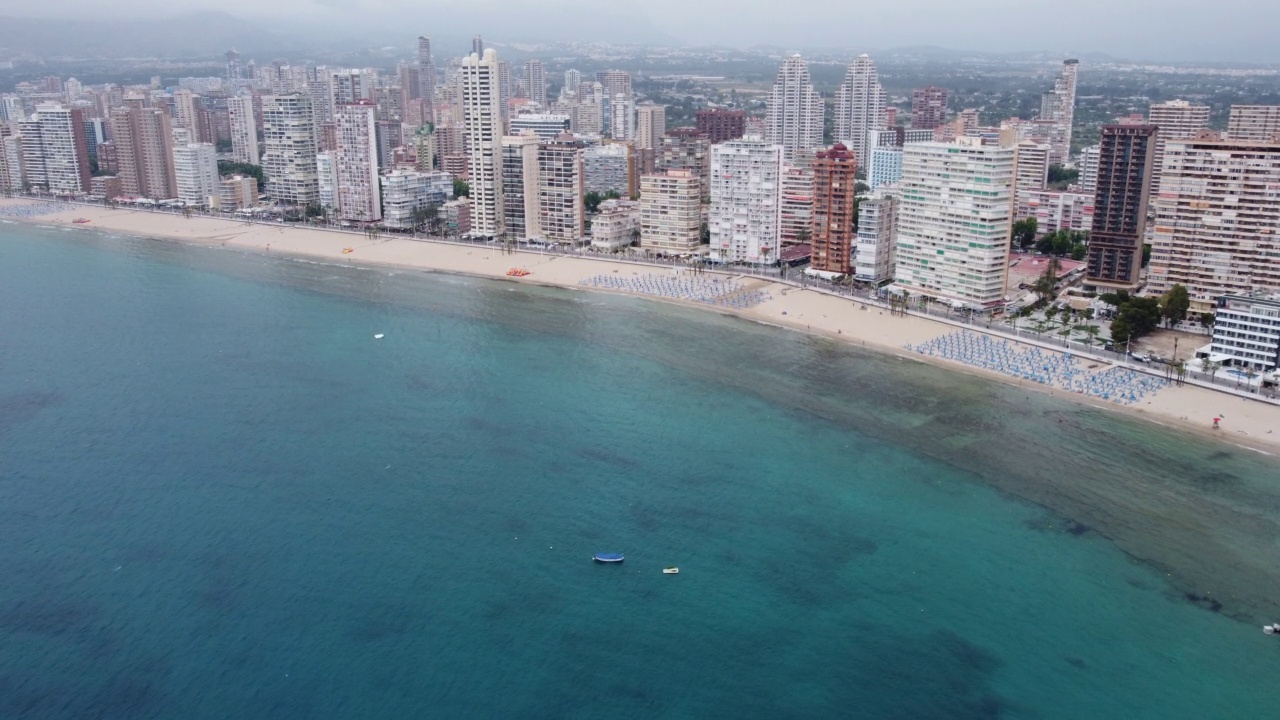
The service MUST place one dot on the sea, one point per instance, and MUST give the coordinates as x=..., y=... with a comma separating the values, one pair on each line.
x=222, y=497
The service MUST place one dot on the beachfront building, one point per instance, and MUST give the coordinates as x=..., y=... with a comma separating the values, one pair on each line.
x=407, y=193
x=355, y=160
x=63, y=157
x=1120, y=206
x=327, y=180
x=12, y=178
x=671, y=212
x=143, y=140
x=607, y=168
x=834, y=211
x=244, y=129
x=195, y=171
x=1217, y=220
x=795, y=111
x=616, y=226
x=744, y=216
x=482, y=125
x=289, y=149
x=457, y=217
x=544, y=125
x=1246, y=328
x=687, y=149
x=520, y=186
x=876, y=239
x=1254, y=123
x=795, y=204
x=237, y=192
x=562, y=211
x=860, y=107
x=954, y=219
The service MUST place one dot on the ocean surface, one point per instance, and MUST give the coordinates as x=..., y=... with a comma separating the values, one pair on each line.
x=221, y=497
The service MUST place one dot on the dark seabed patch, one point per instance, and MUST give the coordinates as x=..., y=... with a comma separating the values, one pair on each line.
x=18, y=408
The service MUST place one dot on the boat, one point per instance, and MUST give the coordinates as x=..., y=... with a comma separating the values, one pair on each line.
x=671, y=571
x=1271, y=629
x=607, y=557
x=378, y=336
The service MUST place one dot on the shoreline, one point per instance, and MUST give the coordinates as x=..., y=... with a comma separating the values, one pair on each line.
x=824, y=315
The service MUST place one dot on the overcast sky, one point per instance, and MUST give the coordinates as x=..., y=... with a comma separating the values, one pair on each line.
x=1239, y=30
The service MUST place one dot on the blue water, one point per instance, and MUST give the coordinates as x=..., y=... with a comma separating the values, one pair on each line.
x=221, y=497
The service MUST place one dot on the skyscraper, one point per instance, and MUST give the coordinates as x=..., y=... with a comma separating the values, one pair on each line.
x=687, y=149
x=651, y=125
x=795, y=110
x=615, y=84
x=195, y=168
x=671, y=211
x=289, y=149
x=1032, y=175
x=1174, y=120
x=954, y=220
x=928, y=107
x=877, y=234
x=1216, y=219
x=63, y=151
x=834, y=208
x=520, y=186
x=561, y=204
x=1059, y=106
x=426, y=76
x=233, y=65
x=355, y=161
x=535, y=77
x=482, y=127
x=1120, y=205
x=572, y=79
x=477, y=46
x=744, y=216
x=244, y=129
x=144, y=138
x=860, y=106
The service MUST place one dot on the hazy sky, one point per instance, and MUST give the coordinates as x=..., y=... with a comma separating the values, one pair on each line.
x=1239, y=30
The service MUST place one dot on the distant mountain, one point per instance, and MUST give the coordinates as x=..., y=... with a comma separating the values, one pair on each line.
x=185, y=36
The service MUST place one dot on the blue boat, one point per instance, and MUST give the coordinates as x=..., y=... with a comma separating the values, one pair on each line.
x=607, y=557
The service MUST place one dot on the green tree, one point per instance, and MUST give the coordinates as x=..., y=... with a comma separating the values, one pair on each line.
x=1175, y=304
x=1135, y=318
x=1120, y=331
x=1079, y=251
x=592, y=201
x=1046, y=286
x=1146, y=255
x=1206, y=319
x=1059, y=175
x=1024, y=232
x=230, y=167
x=461, y=189
x=612, y=195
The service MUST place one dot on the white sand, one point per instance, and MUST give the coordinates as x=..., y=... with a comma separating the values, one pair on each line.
x=1248, y=422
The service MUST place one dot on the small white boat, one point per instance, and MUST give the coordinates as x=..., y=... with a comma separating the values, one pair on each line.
x=671, y=571
x=379, y=336
x=1271, y=629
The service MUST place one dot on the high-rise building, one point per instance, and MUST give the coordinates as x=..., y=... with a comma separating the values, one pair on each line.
x=607, y=168
x=795, y=110
x=1217, y=219
x=1032, y=175
x=687, y=149
x=1089, y=169
x=1254, y=123
x=289, y=149
x=1246, y=328
x=482, y=125
x=506, y=88
x=928, y=107
x=12, y=178
x=1120, y=206
x=834, y=210
x=877, y=236
x=195, y=168
x=860, y=107
x=745, y=182
x=477, y=46
x=233, y=65
x=615, y=83
x=190, y=114
x=356, y=162
x=327, y=180
x=426, y=75
x=63, y=150
x=350, y=86
x=651, y=125
x=1056, y=211
x=572, y=79
x=144, y=150
x=721, y=124
x=1058, y=106
x=244, y=129
x=535, y=77
x=561, y=197
x=520, y=186
x=795, y=203
x=671, y=211
x=954, y=220
x=1174, y=120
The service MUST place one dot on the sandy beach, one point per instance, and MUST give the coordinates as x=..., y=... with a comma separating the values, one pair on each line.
x=1249, y=423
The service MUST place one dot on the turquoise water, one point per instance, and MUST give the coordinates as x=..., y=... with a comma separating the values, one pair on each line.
x=221, y=497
